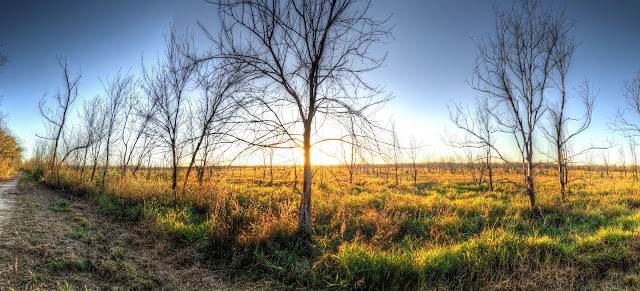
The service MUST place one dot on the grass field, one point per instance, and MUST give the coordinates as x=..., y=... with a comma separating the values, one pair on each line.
x=441, y=232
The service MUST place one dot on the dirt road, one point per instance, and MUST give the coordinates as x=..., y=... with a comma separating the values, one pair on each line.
x=50, y=240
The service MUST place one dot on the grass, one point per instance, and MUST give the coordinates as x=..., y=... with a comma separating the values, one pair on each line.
x=78, y=265
x=442, y=232
x=61, y=206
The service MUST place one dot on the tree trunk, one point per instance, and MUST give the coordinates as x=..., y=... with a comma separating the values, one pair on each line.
x=174, y=178
x=93, y=171
x=304, y=224
x=490, y=172
x=396, y=169
x=415, y=175
x=562, y=180
x=106, y=164
x=528, y=183
x=295, y=175
x=351, y=177
x=192, y=162
x=84, y=162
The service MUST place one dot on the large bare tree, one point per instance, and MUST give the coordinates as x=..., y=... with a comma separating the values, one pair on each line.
x=166, y=87
x=310, y=57
x=56, y=118
x=514, y=68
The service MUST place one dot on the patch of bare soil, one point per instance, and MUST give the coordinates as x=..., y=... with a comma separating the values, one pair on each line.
x=50, y=240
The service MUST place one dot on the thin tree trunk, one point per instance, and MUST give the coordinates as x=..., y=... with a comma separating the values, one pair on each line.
x=304, y=224
x=529, y=184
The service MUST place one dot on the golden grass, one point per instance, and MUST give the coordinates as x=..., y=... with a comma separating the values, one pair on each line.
x=441, y=232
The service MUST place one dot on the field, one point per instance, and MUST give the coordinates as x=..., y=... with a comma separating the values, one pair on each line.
x=443, y=231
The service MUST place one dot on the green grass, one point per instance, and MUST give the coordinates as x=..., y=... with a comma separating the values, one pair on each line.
x=79, y=265
x=76, y=232
x=61, y=206
x=37, y=277
x=59, y=264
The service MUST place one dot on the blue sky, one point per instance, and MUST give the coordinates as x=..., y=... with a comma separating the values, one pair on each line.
x=427, y=65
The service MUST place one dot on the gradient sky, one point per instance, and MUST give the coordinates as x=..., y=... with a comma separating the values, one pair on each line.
x=428, y=62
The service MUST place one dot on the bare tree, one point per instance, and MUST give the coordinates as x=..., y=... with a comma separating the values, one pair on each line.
x=351, y=155
x=135, y=140
x=395, y=154
x=562, y=127
x=56, y=118
x=474, y=163
x=118, y=91
x=413, y=154
x=165, y=85
x=310, y=57
x=479, y=128
x=604, y=156
x=90, y=121
x=622, y=122
x=622, y=160
x=217, y=105
x=514, y=68
x=632, y=144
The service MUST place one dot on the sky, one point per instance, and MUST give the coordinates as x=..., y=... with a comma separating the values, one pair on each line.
x=428, y=63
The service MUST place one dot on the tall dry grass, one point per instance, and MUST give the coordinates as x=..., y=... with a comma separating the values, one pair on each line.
x=441, y=232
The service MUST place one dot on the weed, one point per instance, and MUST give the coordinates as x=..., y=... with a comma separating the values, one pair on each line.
x=76, y=232
x=36, y=277
x=117, y=254
x=79, y=265
x=59, y=264
x=64, y=287
x=632, y=281
x=61, y=206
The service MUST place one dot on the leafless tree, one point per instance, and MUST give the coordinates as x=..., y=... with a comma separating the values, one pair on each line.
x=562, y=127
x=479, y=128
x=221, y=86
x=96, y=152
x=166, y=86
x=118, y=90
x=310, y=57
x=56, y=118
x=395, y=154
x=604, y=156
x=622, y=160
x=90, y=121
x=632, y=144
x=414, y=154
x=622, y=122
x=474, y=164
x=136, y=142
x=350, y=156
x=514, y=68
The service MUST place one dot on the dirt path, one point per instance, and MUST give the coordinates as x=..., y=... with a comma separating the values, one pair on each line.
x=53, y=241
x=5, y=203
